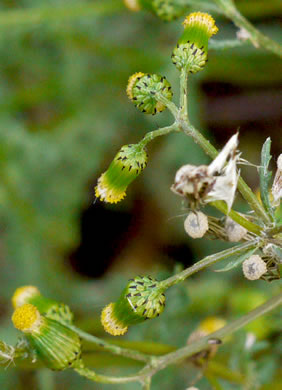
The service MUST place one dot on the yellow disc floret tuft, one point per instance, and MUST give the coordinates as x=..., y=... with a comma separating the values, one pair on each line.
x=22, y=293
x=108, y=193
x=202, y=19
x=26, y=318
x=131, y=81
x=110, y=323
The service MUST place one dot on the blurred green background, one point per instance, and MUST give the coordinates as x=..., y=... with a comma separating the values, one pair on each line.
x=64, y=114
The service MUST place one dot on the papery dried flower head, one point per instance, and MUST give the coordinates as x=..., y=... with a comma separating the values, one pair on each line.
x=207, y=183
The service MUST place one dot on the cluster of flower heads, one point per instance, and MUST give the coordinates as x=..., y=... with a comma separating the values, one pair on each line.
x=151, y=93
x=43, y=322
x=142, y=299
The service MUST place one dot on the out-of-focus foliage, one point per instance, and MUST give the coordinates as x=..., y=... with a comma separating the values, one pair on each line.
x=63, y=116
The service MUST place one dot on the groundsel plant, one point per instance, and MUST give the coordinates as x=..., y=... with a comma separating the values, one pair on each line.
x=48, y=334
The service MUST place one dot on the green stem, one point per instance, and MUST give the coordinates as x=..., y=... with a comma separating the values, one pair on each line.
x=31, y=16
x=226, y=44
x=129, y=353
x=183, y=93
x=208, y=261
x=232, y=327
x=93, y=376
x=210, y=150
x=251, y=227
x=157, y=133
x=170, y=105
x=257, y=38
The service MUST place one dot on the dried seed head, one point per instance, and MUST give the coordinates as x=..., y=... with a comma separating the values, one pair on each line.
x=196, y=224
x=254, y=267
x=277, y=183
x=218, y=181
x=234, y=231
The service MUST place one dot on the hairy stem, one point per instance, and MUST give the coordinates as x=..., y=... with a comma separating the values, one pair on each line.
x=157, y=133
x=116, y=350
x=208, y=261
x=257, y=38
x=232, y=327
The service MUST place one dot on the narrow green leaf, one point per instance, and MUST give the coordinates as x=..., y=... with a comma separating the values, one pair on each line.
x=237, y=261
x=265, y=177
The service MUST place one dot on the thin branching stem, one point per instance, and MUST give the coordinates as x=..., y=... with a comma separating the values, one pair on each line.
x=208, y=261
x=115, y=349
x=256, y=37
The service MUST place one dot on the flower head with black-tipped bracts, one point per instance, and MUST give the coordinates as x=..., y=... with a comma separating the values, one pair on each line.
x=192, y=48
x=144, y=90
x=126, y=166
x=142, y=299
x=57, y=346
x=50, y=308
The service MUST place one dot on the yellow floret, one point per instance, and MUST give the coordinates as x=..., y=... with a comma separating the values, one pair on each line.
x=110, y=323
x=26, y=318
x=107, y=193
x=131, y=81
x=203, y=19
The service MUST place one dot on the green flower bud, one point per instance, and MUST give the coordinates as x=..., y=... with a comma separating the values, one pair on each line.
x=126, y=166
x=142, y=90
x=50, y=308
x=57, y=346
x=142, y=299
x=167, y=10
x=192, y=48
